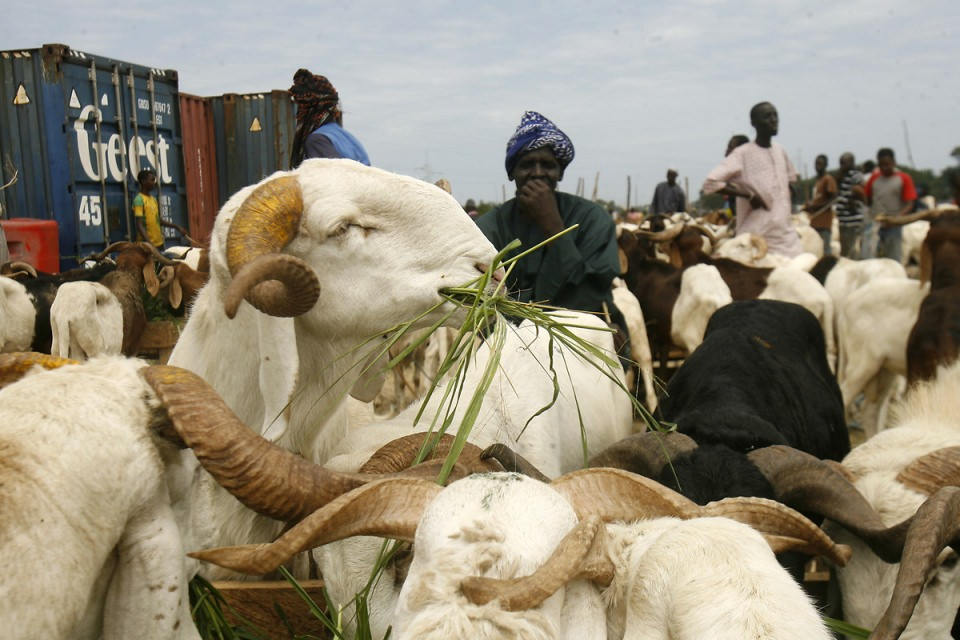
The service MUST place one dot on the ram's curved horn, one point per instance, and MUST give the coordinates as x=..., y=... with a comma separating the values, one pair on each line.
x=644, y=453
x=262, y=475
x=113, y=246
x=929, y=473
x=266, y=222
x=926, y=214
x=810, y=485
x=783, y=528
x=615, y=494
x=759, y=243
x=667, y=235
x=389, y=508
x=707, y=233
x=581, y=555
x=18, y=267
x=14, y=366
x=935, y=525
x=400, y=454
x=510, y=460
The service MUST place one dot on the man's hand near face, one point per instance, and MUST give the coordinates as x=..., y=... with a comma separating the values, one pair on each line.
x=536, y=200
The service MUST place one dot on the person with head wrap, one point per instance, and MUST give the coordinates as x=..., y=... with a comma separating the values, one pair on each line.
x=574, y=271
x=320, y=132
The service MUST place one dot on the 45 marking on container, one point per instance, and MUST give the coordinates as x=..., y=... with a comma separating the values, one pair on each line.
x=91, y=211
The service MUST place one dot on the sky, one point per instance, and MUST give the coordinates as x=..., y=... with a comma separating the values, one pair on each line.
x=435, y=88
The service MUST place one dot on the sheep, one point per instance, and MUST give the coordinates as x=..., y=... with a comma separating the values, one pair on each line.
x=702, y=291
x=896, y=471
x=86, y=321
x=89, y=537
x=657, y=285
x=17, y=316
x=179, y=284
x=304, y=269
x=500, y=554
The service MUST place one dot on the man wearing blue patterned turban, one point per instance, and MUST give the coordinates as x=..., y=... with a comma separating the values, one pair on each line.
x=574, y=271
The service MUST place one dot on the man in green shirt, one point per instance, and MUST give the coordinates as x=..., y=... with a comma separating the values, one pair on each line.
x=574, y=271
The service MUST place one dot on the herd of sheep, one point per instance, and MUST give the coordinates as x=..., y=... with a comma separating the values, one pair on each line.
x=257, y=446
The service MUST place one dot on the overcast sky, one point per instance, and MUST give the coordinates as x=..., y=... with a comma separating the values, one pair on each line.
x=436, y=88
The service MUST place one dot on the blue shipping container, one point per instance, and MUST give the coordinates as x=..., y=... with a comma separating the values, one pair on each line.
x=253, y=134
x=75, y=129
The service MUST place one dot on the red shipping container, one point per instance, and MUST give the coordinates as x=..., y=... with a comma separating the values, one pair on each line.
x=36, y=242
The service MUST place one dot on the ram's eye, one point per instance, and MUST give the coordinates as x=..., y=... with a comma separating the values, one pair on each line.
x=340, y=229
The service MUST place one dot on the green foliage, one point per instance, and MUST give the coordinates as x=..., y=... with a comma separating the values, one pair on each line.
x=209, y=614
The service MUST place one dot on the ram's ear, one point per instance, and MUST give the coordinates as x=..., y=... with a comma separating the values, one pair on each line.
x=150, y=280
x=371, y=381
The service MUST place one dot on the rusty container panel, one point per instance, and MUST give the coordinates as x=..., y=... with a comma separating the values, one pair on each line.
x=75, y=129
x=253, y=133
x=200, y=165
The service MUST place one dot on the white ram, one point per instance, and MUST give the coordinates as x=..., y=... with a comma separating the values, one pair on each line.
x=305, y=268
x=895, y=474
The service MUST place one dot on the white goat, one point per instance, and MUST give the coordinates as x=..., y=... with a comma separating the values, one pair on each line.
x=873, y=325
x=702, y=291
x=342, y=236
x=86, y=320
x=924, y=421
x=17, y=316
x=89, y=542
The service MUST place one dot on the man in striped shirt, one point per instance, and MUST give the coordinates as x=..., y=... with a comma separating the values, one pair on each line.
x=849, y=205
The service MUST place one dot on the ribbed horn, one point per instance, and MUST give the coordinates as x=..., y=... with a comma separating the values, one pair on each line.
x=401, y=453
x=387, y=508
x=644, y=453
x=809, y=485
x=667, y=235
x=783, y=528
x=760, y=244
x=510, y=460
x=929, y=473
x=14, y=366
x=581, y=555
x=935, y=525
x=262, y=475
x=266, y=222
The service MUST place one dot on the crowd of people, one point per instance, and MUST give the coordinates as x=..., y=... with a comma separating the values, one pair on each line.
x=575, y=270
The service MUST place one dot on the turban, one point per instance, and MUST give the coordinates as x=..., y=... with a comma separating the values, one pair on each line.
x=536, y=132
x=316, y=98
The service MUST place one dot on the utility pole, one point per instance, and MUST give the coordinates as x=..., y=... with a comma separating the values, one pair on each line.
x=596, y=185
x=906, y=142
x=628, y=193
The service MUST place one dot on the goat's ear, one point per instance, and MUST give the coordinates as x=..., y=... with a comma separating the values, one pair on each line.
x=675, y=259
x=175, y=293
x=150, y=278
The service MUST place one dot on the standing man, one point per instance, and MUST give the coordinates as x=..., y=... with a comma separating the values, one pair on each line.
x=574, y=271
x=668, y=197
x=759, y=175
x=849, y=207
x=889, y=193
x=146, y=212
x=821, y=207
x=320, y=132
